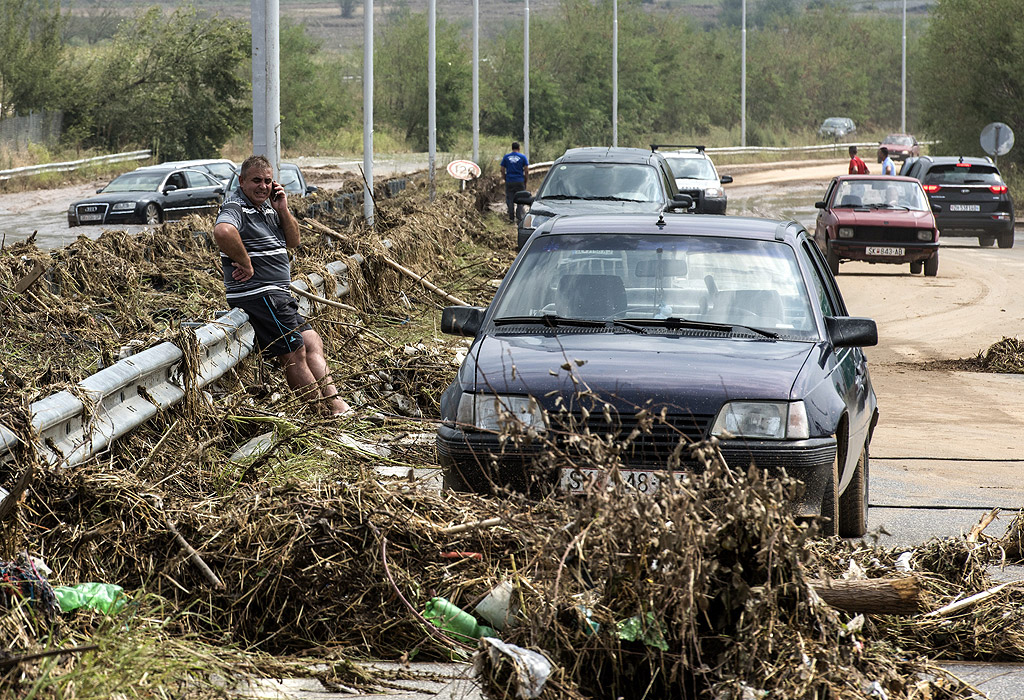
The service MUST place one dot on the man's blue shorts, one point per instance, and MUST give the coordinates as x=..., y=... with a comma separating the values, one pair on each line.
x=276, y=319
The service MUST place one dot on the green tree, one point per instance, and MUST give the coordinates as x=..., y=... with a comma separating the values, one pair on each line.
x=400, y=78
x=314, y=99
x=971, y=73
x=31, y=49
x=171, y=82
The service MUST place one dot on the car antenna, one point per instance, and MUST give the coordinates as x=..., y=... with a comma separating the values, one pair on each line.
x=661, y=220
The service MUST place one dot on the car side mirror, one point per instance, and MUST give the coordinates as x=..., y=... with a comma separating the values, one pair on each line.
x=522, y=197
x=310, y=189
x=462, y=320
x=219, y=190
x=170, y=188
x=680, y=201
x=851, y=331
x=726, y=179
x=820, y=205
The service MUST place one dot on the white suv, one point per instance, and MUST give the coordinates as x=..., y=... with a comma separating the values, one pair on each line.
x=696, y=176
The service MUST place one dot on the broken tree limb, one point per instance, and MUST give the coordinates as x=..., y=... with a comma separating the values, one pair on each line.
x=966, y=602
x=194, y=556
x=319, y=299
x=878, y=596
x=30, y=279
x=420, y=278
x=975, y=534
x=456, y=529
x=326, y=230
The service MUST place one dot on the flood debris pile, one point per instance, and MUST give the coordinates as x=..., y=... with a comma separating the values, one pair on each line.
x=1006, y=356
x=239, y=520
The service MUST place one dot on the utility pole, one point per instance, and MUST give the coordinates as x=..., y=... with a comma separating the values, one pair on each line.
x=615, y=72
x=903, y=110
x=476, y=81
x=266, y=82
x=368, y=203
x=526, y=81
x=743, y=77
x=432, y=94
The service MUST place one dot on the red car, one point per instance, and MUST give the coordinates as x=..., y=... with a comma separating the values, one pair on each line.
x=878, y=219
x=901, y=146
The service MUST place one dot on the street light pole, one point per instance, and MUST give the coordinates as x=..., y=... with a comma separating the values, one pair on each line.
x=903, y=111
x=743, y=77
x=431, y=94
x=615, y=73
x=368, y=112
x=526, y=80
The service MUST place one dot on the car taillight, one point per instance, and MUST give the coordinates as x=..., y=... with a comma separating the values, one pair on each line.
x=998, y=189
x=931, y=188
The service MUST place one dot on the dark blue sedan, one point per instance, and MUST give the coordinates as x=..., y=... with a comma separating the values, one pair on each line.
x=716, y=326
x=150, y=196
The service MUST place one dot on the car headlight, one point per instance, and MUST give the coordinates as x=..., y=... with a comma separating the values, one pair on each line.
x=845, y=232
x=492, y=412
x=713, y=192
x=532, y=221
x=72, y=211
x=763, y=420
x=925, y=234
x=123, y=206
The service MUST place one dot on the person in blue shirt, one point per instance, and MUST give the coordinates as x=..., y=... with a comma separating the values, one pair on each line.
x=515, y=170
x=888, y=167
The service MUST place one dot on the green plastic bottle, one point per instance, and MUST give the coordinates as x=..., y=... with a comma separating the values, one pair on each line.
x=104, y=597
x=444, y=614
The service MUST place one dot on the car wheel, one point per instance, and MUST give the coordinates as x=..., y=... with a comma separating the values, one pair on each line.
x=915, y=267
x=931, y=266
x=830, y=503
x=853, y=504
x=152, y=214
x=1006, y=240
x=833, y=262
x=986, y=241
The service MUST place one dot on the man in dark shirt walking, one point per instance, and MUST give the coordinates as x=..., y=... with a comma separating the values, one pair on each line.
x=515, y=170
x=254, y=231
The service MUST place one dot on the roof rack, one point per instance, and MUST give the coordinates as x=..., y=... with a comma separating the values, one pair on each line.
x=656, y=146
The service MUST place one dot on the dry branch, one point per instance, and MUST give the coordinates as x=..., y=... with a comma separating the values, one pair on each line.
x=878, y=596
x=420, y=278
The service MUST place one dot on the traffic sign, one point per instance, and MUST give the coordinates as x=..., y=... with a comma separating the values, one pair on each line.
x=463, y=169
x=997, y=139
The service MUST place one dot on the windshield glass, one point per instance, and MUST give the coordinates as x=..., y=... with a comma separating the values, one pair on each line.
x=135, y=181
x=697, y=278
x=957, y=174
x=881, y=193
x=899, y=140
x=602, y=181
x=290, y=180
x=692, y=168
x=834, y=121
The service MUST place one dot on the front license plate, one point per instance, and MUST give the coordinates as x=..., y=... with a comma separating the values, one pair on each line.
x=576, y=480
x=874, y=250
x=965, y=207
x=90, y=217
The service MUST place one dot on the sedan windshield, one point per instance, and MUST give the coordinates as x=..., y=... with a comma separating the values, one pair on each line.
x=290, y=180
x=614, y=181
x=692, y=168
x=881, y=194
x=899, y=140
x=136, y=181
x=672, y=281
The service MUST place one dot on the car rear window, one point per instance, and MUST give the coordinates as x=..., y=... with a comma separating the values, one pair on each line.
x=962, y=174
x=624, y=181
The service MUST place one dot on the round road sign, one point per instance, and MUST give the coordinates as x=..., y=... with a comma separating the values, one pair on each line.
x=997, y=139
x=463, y=169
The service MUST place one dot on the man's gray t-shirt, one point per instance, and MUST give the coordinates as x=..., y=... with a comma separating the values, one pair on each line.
x=263, y=238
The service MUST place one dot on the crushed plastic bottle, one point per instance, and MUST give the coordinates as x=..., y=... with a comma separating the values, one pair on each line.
x=447, y=616
x=104, y=597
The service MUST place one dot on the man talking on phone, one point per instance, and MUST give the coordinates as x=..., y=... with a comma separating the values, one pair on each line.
x=254, y=231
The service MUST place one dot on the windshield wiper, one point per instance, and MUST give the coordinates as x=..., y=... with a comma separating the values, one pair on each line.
x=890, y=206
x=679, y=322
x=559, y=196
x=549, y=320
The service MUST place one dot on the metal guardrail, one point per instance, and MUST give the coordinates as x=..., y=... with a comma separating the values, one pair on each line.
x=73, y=164
x=73, y=426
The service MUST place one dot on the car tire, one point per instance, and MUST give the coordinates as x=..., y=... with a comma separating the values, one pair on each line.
x=916, y=267
x=452, y=480
x=986, y=241
x=1006, y=240
x=931, y=266
x=853, y=503
x=833, y=262
x=830, y=503
x=151, y=214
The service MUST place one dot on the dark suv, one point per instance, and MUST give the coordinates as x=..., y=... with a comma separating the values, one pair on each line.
x=972, y=197
x=602, y=181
